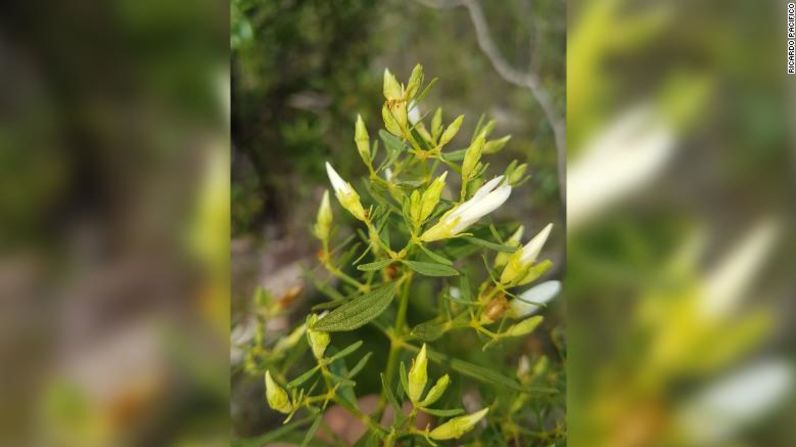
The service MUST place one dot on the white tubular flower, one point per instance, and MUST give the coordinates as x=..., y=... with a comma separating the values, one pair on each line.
x=727, y=283
x=346, y=194
x=620, y=161
x=488, y=198
x=715, y=415
x=533, y=298
x=519, y=262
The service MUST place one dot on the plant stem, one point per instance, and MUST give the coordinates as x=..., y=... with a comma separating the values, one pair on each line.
x=396, y=338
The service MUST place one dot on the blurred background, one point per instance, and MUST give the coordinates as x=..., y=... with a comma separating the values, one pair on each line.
x=116, y=198
x=114, y=149
x=680, y=282
x=302, y=70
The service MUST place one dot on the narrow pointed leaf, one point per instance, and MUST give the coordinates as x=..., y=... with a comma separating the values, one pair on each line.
x=443, y=413
x=490, y=245
x=432, y=269
x=372, y=266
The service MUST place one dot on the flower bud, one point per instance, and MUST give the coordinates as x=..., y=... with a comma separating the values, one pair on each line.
x=487, y=129
x=472, y=156
x=436, y=124
x=418, y=375
x=520, y=261
x=451, y=131
x=431, y=197
x=318, y=340
x=362, y=140
x=513, y=241
x=323, y=223
x=456, y=427
x=346, y=194
x=524, y=327
x=276, y=396
x=494, y=146
x=288, y=342
x=392, y=88
x=516, y=174
x=390, y=123
x=415, y=206
x=436, y=391
x=415, y=81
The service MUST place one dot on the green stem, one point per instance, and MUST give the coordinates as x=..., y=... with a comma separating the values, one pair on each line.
x=396, y=338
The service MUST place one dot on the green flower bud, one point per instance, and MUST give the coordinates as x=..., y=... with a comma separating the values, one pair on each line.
x=431, y=197
x=472, y=156
x=318, y=340
x=494, y=146
x=415, y=206
x=524, y=327
x=513, y=241
x=436, y=124
x=488, y=128
x=415, y=81
x=418, y=375
x=276, y=396
x=392, y=88
x=516, y=174
x=390, y=122
x=285, y=343
x=362, y=140
x=451, y=131
x=323, y=223
x=456, y=427
x=436, y=391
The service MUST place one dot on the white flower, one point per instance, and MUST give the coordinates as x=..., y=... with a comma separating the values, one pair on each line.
x=414, y=113
x=727, y=283
x=521, y=260
x=534, y=297
x=531, y=250
x=346, y=194
x=487, y=199
x=620, y=161
x=717, y=413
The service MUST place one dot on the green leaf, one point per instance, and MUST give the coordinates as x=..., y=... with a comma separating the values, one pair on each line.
x=311, y=432
x=404, y=378
x=457, y=155
x=358, y=367
x=372, y=266
x=428, y=330
x=388, y=393
x=432, y=269
x=437, y=257
x=357, y=312
x=272, y=435
x=391, y=142
x=464, y=288
x=348, y=350
x=443, y=413
x=302, y=378
x=490, y=245
x=480, y=373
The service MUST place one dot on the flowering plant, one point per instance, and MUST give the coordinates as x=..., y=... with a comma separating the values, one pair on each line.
x=417, y=242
